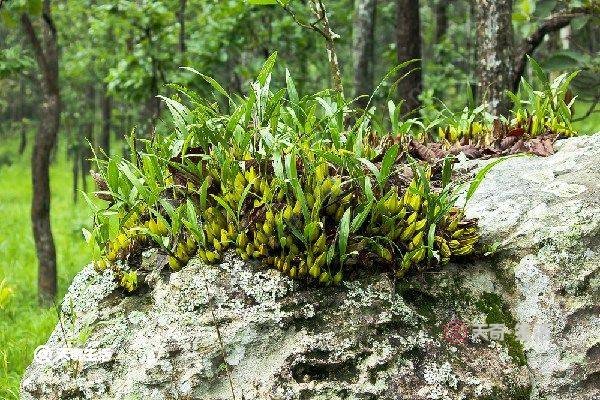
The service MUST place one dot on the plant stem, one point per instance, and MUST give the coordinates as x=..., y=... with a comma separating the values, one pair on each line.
x=330, y=36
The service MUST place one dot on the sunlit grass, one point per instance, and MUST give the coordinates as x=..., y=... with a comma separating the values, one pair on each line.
x=24, y=325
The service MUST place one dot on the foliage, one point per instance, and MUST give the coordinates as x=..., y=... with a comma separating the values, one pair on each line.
x=12, y=60
x=284, y=181
x=541, y=109
x=549, y=107
x=23, y=325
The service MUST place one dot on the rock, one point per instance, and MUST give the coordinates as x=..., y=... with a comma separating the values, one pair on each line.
x=545, y=215
x=206, y=331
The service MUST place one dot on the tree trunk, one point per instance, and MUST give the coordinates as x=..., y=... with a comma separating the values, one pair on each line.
x=495, y=49
x=46, y=54
x=86, y=151
x=106, y=120
x=408, y=45
x=181, y=18
x=75, y=169
x=153, y=103
x=363, y=38
x=23, y=142
x=441, y=20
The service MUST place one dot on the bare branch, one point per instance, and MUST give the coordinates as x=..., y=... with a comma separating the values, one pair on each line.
x=589, y=112
x=329, y=36
x=312, y=26
x=550, y=24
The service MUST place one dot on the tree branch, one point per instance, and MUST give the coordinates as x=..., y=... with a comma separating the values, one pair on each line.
x=312, y=25
x=550, y=24
x=321, y=14
x=589, y=112
x=37, y=46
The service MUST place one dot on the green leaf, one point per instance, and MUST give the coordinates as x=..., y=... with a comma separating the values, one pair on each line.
x=386, y=165
x=330, y=253
x=538, y=71
x=211, y=81
x=369, y=190
x=226, y=206
x=372, y=167
x=360, y=218
x=430, y=242
x=344, y=233
x=544, y=8
x=191, y=211
x=242, y=199
x=562, y=61
x=266, y=69
x=87, y=235
x=291, y=89
x=262, y=2
x=470, y=97
x=179, y=113
x=290, y=164
x=447, y=171
x=278, y=166
x=204, y=194
x=579, y=22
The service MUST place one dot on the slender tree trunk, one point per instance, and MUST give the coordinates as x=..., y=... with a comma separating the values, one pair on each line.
x=106, y=119
x=363, y=38
x=181, y=18
x=23, y=142
x=153, y=103
x=75, y=170
x=494, y=53
x=408, y=46
x=86, y=151
x=46, y=55
x=441, y=20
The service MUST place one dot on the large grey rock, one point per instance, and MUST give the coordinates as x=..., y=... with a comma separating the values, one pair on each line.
x=371, y=338
x=545, y=215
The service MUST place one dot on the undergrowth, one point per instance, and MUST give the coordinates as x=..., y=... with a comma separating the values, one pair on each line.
x=309, y=185
x=299, y=183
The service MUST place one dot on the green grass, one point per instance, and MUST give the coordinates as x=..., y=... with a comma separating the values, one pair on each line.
x=23, y=324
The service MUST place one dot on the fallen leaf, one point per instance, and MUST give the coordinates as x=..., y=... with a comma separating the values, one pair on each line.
x=507, y=142
x=422, y=152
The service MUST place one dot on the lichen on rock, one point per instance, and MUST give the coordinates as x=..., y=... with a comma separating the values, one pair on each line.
x=374, y=337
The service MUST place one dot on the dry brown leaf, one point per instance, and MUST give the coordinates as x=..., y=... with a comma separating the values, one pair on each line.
x=508, y=142
x=518, y=147
x=422, y=152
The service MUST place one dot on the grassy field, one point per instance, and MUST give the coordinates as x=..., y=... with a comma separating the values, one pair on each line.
x=23, y=325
